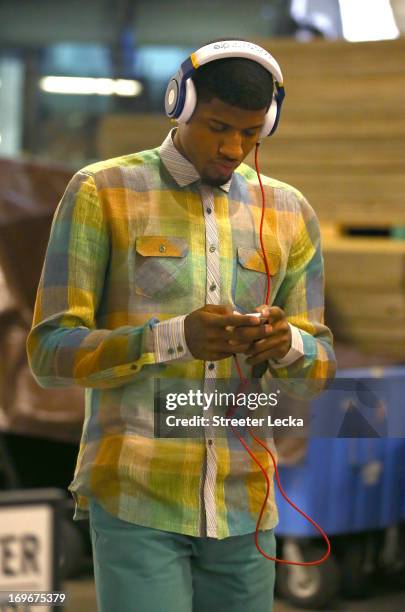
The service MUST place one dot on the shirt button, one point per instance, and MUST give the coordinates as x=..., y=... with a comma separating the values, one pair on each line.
x=213, y=287
x=180, y=348
x=212, y=248
x=209, y=211
x=211, y=366
x=162, y=248
x=170, y=351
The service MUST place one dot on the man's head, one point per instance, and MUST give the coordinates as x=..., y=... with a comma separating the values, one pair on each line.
x=233, y=96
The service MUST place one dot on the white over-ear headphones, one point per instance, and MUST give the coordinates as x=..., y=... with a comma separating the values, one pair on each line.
x=181, y=96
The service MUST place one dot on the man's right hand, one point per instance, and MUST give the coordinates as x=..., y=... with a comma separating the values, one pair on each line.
x=208, y=331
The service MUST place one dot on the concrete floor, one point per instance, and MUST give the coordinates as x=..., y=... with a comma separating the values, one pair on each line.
x=81, y=598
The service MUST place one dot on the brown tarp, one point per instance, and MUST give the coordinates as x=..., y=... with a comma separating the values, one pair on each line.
x=29, y=194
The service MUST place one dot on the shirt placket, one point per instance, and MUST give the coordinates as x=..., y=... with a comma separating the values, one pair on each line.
x=212, y=296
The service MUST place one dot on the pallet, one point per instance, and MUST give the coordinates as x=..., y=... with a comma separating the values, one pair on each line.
x=365, y=293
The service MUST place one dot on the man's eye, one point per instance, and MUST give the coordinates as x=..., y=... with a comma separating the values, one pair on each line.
x=217, y=128
x=250, y=133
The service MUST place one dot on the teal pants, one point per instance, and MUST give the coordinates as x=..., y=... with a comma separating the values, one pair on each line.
x=139, y=569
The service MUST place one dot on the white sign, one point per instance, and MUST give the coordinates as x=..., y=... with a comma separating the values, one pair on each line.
x=26, y=551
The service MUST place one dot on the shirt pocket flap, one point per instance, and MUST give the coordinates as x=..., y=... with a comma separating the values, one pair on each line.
x=252, y=259
x=161, y=246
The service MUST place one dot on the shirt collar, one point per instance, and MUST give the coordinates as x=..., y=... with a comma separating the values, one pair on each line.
x=178, y=166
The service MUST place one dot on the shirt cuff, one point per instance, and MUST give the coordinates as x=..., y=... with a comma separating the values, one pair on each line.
x=296, y=351
x=170, y=340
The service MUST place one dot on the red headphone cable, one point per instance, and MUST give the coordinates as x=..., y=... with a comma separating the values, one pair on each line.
x=252, y=455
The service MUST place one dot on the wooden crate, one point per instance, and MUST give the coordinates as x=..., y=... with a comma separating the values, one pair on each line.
x=124, y=134
x=342, y=133
x=365, y=293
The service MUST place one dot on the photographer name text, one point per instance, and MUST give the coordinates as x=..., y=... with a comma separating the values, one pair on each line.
x=223, y=421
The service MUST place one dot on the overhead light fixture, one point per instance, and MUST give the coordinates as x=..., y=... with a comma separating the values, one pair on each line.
x=88, y=86
x=364, y=20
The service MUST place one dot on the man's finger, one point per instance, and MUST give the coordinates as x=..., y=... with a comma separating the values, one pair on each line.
x=269, y=353
x=276, y=313
x=238, y=347
x=234, y=321
x=252, y=334
x=264, y=309
x=263, y=345
x=272, y=336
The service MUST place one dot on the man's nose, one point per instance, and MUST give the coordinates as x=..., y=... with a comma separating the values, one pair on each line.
x=231, y=146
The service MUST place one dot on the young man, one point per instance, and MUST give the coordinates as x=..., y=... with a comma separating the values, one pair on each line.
x=149, y=256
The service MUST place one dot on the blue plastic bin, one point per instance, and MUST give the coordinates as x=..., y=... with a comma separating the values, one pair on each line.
x=345, y=484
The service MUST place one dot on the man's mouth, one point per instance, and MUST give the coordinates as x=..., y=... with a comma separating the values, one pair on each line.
x=225, y=168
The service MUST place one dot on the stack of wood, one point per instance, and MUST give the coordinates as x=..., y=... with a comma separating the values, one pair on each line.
x=341, y=142
x=365, y=291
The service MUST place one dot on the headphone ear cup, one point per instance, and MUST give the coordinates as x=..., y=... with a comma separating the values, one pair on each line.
x=172, y=97
x=270, y=119
x=190, y=102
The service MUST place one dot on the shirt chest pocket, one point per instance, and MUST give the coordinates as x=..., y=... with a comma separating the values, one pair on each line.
x=162, y=267
x=251, y=277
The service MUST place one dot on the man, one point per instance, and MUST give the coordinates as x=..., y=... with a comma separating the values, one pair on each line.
x=149, y=256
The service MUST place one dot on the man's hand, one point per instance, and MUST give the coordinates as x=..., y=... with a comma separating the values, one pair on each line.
x=211, y=332
x=276, y=340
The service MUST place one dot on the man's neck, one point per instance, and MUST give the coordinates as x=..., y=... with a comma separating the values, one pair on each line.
x=178, y=145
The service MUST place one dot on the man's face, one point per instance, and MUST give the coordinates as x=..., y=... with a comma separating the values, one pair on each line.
x=218, y=137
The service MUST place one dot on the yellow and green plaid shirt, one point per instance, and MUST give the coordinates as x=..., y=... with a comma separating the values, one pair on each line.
x=128, y=257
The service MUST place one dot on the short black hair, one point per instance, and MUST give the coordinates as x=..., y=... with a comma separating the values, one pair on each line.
x=236, y=81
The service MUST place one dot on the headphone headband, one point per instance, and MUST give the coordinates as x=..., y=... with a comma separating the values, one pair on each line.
x=237, y=48
x=181, y=95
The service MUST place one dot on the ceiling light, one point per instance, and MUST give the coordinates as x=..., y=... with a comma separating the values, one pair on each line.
x=88, y=86
x=364, y=20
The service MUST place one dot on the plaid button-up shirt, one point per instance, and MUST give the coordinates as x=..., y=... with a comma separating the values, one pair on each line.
x=136, y=244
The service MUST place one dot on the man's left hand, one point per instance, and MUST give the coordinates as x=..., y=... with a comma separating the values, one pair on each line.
x=277, y=340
